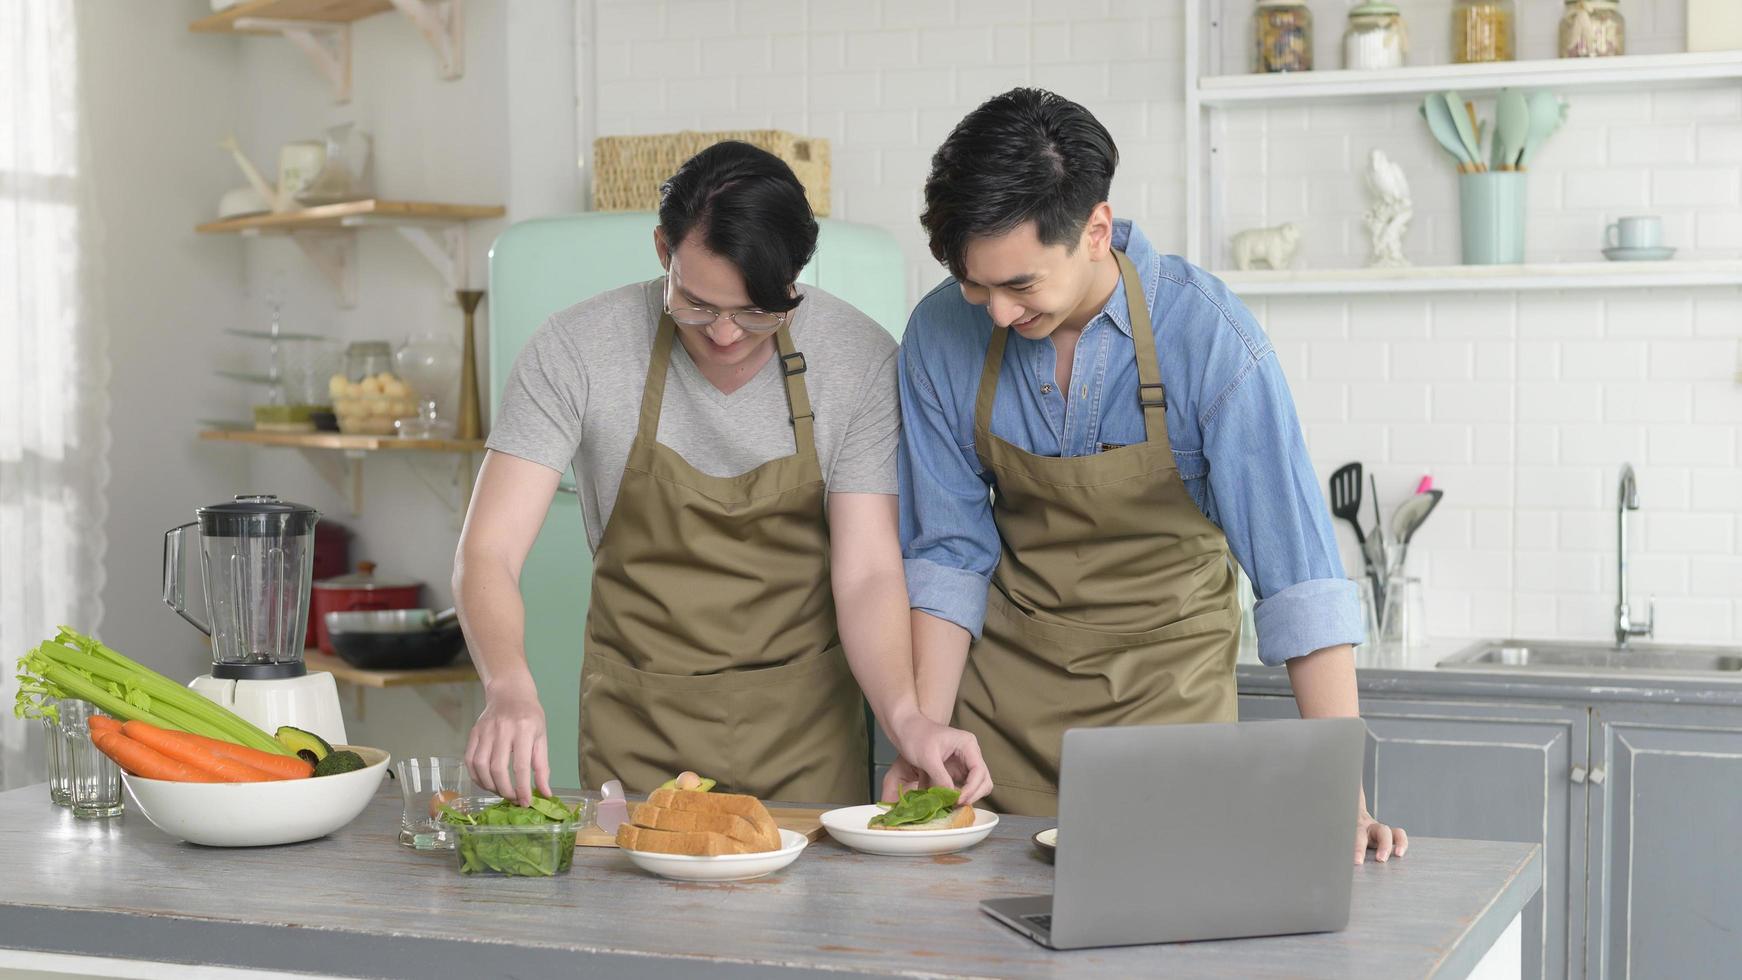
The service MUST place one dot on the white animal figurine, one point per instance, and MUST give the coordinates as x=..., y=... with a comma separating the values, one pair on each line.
x=1274, y=247
x=1388, y=219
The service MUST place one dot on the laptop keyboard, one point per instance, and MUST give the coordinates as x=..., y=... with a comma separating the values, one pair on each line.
x=1043, y=920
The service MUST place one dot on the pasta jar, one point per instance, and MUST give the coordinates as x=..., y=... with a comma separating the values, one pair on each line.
x=1284, y=33
x=1482, y=30
x=1375, y=37
x=1593, y=29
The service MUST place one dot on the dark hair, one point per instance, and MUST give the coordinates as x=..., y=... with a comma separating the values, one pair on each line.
x=747, y=205
x=1025, y=155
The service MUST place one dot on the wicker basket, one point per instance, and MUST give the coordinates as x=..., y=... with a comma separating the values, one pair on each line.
x=627, y=170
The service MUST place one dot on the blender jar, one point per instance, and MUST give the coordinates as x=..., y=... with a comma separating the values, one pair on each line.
x=256, y=560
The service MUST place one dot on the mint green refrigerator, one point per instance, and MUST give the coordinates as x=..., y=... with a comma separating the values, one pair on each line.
x=540, y=266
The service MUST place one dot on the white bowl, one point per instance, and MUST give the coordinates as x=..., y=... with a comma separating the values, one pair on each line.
x=722, y=867
x=848, y=825
x=281, y=811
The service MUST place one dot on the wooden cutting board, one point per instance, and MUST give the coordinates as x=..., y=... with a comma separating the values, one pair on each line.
x=805, y=821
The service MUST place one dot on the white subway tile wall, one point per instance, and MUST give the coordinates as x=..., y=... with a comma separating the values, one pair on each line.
x=1522, y=406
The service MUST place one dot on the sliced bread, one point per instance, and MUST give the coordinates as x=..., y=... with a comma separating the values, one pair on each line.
x=730, y=824
x=962, y=816
x=731, y=804
x=699, y=843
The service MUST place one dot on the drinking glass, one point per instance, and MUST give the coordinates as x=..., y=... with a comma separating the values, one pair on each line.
x=425, y=785
x=59, y=789
x=1402, y=624
x=95, y=781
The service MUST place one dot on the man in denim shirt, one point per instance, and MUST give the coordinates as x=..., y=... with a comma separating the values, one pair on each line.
x=1134, y=428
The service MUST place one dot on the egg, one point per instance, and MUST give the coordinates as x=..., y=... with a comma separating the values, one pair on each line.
x=439, y=800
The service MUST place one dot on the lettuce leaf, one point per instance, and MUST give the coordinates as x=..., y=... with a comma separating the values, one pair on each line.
x=918, y=806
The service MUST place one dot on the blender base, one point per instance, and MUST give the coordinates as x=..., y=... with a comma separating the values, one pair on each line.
x=310, y=702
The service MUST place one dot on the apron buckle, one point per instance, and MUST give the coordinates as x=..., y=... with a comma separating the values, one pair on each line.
x=786, y=363
x=1146, y=400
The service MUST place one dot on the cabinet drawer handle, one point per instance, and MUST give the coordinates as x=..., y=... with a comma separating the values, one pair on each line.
x=1598, y=775
x=1578, y=774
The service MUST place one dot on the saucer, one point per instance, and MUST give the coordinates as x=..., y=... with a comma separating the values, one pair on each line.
x=1655, y=254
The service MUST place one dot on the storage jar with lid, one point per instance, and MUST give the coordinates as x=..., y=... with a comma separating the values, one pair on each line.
x=1593, y=29
x=1483, y=30
x=1375, y=38
x=1283, y=31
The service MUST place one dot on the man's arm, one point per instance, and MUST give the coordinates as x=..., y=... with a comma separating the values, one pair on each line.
x=871, y=609
x=506, y=750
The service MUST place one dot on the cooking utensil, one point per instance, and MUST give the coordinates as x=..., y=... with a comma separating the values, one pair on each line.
x=1511, y=128
x=1381, y=550
x=1445, y=129
x=1408, y=518
x=1466, y=129
x=1547, y=113
x=395, y=639
x=1346, y=504
x=361, y=590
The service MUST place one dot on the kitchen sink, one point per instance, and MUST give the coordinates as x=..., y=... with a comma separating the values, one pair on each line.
x=1590, y=657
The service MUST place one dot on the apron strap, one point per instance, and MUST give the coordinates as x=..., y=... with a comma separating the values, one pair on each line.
x=988, y=390
x=653, y=391
x=798, y=399
x=1151, y=396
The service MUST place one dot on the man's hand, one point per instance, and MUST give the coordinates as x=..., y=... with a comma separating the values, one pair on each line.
x=506, y=751
x=1384, y=840
x=936, y=755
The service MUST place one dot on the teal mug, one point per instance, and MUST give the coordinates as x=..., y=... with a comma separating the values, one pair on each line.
x=1491, y=215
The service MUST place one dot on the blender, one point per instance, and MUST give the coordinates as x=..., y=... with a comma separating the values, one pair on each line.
x=256, y=560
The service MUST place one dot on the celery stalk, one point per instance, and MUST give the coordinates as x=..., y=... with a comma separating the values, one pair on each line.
x=77, y=666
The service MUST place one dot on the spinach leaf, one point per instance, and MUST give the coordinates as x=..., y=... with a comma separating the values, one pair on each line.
x=918, y=806
x=533, y=853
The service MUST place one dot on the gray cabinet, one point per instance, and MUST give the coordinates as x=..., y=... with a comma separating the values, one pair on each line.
x=1485, y=771
x=1666, y=841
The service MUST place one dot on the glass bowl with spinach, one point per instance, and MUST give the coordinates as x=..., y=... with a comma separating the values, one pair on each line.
x=496, y=837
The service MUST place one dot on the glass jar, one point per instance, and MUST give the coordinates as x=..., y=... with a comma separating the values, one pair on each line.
x=1483, y=30
x=1375, y=37
x=429, y=363
x=1283, y=32
x=368, y=358
x=1593, y=29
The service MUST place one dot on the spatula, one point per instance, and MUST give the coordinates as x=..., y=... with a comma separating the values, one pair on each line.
x=1546, y=115
x=1511, y=129
x=1346, y=504
x=1445, y=130
x=1408, y=518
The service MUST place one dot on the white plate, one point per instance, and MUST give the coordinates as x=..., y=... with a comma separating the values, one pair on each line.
x=1656, y=253
x=722, y=867
x=848, y=825
x=280, y=811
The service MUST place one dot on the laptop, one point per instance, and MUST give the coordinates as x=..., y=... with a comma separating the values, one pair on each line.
x=1172, y=833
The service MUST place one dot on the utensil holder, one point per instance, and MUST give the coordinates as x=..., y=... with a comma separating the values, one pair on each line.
x=1491, y=217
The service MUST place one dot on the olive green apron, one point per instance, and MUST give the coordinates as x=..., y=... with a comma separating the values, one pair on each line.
x=1113, y=602
x=711, y=642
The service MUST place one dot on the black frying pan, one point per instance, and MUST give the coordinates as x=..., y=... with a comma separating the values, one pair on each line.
x=395, y=639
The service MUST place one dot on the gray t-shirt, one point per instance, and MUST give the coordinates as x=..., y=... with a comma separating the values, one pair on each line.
x=574, y=396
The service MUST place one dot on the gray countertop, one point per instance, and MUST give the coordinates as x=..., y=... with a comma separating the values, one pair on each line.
x=1539, y=685
x=358, y=904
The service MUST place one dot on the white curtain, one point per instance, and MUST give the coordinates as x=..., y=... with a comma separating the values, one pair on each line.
x=54, y=366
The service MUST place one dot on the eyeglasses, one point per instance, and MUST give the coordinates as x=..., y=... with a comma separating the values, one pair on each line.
x=750, y=321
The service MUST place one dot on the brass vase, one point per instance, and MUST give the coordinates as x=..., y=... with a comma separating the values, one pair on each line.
x=471, y=420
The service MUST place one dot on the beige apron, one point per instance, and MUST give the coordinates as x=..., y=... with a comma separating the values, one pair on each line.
x=711, y=642
x=1113, y=602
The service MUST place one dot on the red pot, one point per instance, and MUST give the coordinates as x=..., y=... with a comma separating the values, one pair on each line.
x=361, y=590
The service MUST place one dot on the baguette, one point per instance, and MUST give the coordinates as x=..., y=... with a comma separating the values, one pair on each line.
x=962, y=816
x=698, y=843
x=731, y=825
x=731, y=804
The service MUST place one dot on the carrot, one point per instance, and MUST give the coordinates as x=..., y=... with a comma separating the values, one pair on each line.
x=176, y=746
x=275, y=766
x=104, y=723
x=142, y=760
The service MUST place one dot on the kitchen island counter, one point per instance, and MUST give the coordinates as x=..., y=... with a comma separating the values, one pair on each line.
x=357, y=904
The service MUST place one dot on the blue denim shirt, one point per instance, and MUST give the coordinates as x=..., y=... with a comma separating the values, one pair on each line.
x=1230, y=418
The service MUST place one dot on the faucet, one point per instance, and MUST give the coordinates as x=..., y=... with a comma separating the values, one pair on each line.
x=1625, y=629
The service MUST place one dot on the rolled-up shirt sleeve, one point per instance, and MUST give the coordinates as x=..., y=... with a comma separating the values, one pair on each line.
x=1267, y=501
x=949, y=544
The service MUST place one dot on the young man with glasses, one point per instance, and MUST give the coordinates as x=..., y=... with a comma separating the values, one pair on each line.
x=739, y=498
